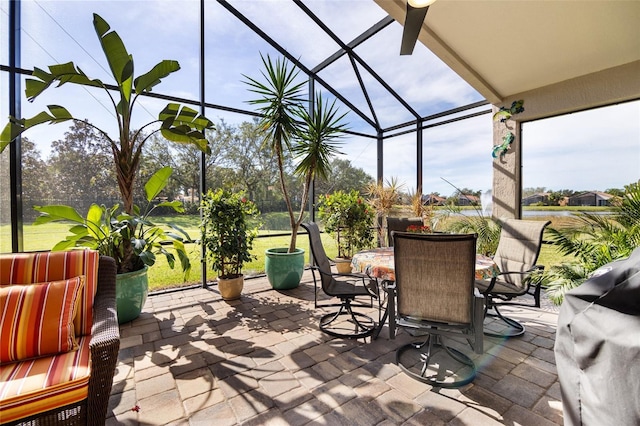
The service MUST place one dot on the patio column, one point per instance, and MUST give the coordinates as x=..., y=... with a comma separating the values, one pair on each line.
x=507, y=171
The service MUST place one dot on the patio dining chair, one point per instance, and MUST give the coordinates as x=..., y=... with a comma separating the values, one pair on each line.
x=516, y=256
x=345, y=287
x=400, y=224
x=437, y=302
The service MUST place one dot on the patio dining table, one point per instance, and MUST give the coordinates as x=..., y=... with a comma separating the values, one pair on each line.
x=379, y=263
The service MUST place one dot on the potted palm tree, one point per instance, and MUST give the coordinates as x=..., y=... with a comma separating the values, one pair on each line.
x=227, y=237
x=349, y=219
x=176, y=123
x=309, y=136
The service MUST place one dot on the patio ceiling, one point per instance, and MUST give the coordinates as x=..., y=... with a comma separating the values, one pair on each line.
x=503, y=48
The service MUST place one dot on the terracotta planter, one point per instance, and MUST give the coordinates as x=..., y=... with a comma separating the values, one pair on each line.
x=343, y=265
x=231, y=288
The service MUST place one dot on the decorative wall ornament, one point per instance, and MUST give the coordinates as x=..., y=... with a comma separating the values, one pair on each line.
x=503, y=115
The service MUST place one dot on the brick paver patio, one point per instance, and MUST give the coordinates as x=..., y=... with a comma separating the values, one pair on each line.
x=194, y=359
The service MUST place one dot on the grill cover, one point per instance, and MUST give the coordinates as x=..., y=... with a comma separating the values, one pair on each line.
x=597, y=347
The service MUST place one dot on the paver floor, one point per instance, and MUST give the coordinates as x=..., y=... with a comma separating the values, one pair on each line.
x=193, y=359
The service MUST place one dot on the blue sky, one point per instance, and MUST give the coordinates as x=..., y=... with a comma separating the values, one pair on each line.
x=596, y=149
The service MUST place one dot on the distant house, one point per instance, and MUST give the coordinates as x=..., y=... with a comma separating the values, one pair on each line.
x=468, y=200
x=541, y=197
x=592, y=198
x=433, y=200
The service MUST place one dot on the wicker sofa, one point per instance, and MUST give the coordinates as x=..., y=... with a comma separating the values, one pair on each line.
x=60, y=337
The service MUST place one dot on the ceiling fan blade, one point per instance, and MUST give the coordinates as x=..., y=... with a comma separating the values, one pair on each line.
x=412, y=24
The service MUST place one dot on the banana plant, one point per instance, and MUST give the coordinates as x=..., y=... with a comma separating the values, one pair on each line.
x=105, y=228
x=177, y=123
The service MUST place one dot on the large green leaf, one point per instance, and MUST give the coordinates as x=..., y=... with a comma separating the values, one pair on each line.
x=175, y=205
x=62, y=73
x=157, y=182
x=14, y=128
x=120, y=62
x=94, y=220
x=58, y=212
x=145, y=82
x=185, y=125
x=64, y=245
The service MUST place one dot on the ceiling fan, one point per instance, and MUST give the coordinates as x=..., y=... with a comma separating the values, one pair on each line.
x=416, y=12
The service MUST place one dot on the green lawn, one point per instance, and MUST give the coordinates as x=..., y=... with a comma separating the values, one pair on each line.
x=44, y=237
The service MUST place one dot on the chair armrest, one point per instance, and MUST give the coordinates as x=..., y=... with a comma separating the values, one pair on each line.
x=105, y=342
x=370, y=284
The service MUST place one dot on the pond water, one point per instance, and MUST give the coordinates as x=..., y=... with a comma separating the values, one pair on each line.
x=534, y=213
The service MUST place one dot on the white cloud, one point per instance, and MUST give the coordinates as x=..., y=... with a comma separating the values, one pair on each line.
x=589, y=150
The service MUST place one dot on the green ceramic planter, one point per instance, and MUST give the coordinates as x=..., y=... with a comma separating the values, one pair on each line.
x=284, y=270
x=131, y=294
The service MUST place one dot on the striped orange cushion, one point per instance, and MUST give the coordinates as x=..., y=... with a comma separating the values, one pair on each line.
x=27, y=268
x=42, y=384
x=37, y=319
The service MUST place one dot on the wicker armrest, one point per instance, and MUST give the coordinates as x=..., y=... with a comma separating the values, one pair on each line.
x=105, y=342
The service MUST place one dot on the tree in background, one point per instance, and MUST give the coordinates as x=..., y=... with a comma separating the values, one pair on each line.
x=253, y=168
x=343, y=177
x=185, y=161
x=35, y=174
x=527, y=192
x=81, y=165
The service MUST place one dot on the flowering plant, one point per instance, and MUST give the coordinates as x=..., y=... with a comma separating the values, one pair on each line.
x=349, y=219
x=419, y=229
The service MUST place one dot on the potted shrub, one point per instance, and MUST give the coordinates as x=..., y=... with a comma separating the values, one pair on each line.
x=349, y=219
x=227, y=237
x=309, y=136
x=177, y=123
x=105, y=228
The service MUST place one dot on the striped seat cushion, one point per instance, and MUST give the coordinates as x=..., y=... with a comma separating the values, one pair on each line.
x=29, y=268
x=41, y=384
x=37, y=319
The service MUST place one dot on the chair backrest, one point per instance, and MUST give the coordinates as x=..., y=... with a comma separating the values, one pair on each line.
x=400, y=224
x=435, y=276
x=519, y=247
x=320, y=257
x=37, y=267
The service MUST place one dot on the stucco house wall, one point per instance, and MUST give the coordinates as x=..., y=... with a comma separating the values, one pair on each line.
x=607, y=87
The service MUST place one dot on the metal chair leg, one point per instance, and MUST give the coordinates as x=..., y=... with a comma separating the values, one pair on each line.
x=515, y=328
x=364, y=326
x=448, y=374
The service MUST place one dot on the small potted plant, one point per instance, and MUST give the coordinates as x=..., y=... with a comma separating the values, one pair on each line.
x=227, y=237
x=349, y=219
